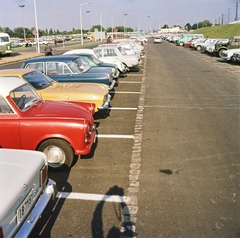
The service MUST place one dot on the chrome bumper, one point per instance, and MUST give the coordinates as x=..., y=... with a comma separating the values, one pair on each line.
x=50, y=192
x=112, y=85
x=106, y=103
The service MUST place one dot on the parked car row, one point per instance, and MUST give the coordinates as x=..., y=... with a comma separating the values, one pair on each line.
x=227, y=49
x=47, y=110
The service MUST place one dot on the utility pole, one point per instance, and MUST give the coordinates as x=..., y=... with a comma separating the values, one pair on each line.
x=236, y=16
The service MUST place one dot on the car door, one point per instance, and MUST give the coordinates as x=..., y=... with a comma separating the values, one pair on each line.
x=9, y=132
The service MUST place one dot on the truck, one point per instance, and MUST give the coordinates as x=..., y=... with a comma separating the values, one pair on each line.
x=232, y=43
x=5, y=44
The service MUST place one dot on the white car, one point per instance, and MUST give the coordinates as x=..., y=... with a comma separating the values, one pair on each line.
x=157, y=39
x=25, y=191
x=121, y=68
x=116, y=52
x=126, y=43
x=228, y=54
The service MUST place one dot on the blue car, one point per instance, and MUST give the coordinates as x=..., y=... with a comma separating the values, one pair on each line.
x=70, y=68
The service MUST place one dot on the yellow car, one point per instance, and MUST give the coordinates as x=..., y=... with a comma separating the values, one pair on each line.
x=49, y=89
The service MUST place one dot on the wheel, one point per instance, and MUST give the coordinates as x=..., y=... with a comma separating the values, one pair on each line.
x=220, y=52
x=59, y=154
x=181, y=43
x=198, y=47
x=126, y=67
x=21, y=102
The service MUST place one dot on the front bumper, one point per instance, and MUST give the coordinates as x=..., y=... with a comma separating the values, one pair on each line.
x=112, y=85
x=50, y=192
x=106, y=103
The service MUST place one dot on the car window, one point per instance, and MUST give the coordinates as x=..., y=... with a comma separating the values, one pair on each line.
x=57, y=68
x=4, y=107
x=37, y=80
x=24, y=97
x=123, y=52
x=109, y=52
x=36, y=65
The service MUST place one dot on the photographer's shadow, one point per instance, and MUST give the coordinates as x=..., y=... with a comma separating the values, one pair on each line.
x=122, y=213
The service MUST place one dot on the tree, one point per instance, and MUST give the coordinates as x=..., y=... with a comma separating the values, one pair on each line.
x=188, y=27
x=165, y=26
x=97, y=27
x=206, y=23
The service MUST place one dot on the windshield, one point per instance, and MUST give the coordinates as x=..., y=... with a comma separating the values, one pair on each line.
x=38, y=80
x=4, y=39
x=24, y=97
x=95, y=59
x=123, y=52
x=80, y=65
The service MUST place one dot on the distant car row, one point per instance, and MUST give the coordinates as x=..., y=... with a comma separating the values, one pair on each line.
x=227, y=49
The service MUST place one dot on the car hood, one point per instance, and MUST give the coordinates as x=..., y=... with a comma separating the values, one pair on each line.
x=17, y=169
x=99, y=70
x=60, y=109
x=74, y=91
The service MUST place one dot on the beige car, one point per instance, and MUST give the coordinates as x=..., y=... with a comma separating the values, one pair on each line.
x=49, y=89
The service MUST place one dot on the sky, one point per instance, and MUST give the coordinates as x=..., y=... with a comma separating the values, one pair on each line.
x=64, y=15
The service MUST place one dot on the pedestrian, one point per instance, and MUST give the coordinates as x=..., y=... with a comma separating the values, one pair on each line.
x=48, y=50
x=55, y=41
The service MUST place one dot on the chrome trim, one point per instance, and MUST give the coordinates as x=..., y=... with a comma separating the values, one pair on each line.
x=112, y=85
x=106, y=103
x=50, y=192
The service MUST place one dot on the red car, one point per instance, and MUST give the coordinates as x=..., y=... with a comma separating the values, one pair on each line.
x=188, y=44
x=59, y=129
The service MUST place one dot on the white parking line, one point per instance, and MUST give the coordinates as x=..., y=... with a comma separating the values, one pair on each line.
x=125, y=92
x=115, y=136
x=123, y=108
x=130, y=82
x=93, y=197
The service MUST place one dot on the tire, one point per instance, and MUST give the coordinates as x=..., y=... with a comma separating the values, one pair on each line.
x=198, y=48
x=59, y=154
x=220, y=52
x=126, y=67
x=181, y=44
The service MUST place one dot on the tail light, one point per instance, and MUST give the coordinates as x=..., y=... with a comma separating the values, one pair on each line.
x=89, y=131
x=1, y=232
x=43, y=175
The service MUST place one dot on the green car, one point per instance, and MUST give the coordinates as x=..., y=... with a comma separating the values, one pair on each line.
x=94, y=62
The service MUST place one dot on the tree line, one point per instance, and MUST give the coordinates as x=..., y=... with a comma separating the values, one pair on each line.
x=19, y=33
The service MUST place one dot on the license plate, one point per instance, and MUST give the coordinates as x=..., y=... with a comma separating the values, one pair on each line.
x=24, y=207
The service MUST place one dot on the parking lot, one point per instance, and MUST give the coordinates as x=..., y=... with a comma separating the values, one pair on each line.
x=166, y=158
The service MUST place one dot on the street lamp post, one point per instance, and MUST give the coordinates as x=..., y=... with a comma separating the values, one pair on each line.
x=88, y=20
x=139, y=28
x=36, y=23
x=112, y=25
x=124, y=23
x=101, y=23
x=24, y=34
x=80, y=9
x=149, y=24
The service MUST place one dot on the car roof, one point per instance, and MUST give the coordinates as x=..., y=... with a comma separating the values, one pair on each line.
x=15, y=72
x=75, y=52
x=13, y=82
x=107, y=46
x=53, y=58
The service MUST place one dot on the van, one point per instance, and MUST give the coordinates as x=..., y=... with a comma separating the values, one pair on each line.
x=187, y=37
x=5, y=44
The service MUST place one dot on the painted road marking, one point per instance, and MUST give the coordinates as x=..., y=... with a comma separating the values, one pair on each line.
x=93, y=197
x=115, y=136
x=123, y=108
